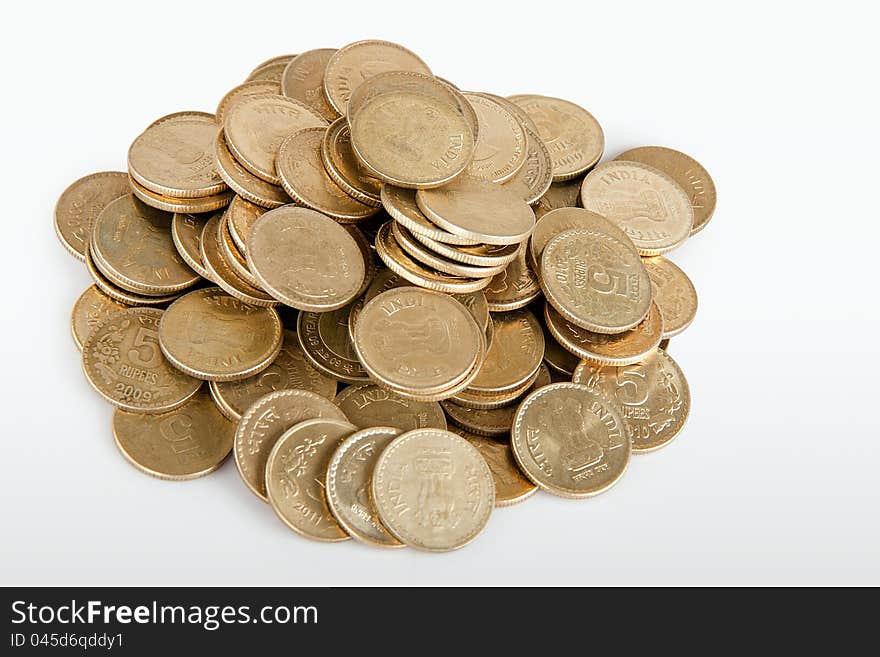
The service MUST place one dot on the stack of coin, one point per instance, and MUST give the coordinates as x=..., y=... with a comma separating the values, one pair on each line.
x=398, y=304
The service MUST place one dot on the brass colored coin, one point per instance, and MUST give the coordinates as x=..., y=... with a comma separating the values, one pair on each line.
x=347, y=485
x=171, y=204
x=515, y=355
x=487, y=401
x=515, y=287
x=326, y=342
x=424, y=255
x=91, y=308
x=573, y=136
x=123, y=363
x=245, y=184
x=272, y=72
x=644, y=202
x=214, y=336
x=357, y=62
x=570, y=440
x=433, y=490
x=605, y=349
x=560, y=195
x=256, y=126
x=305, y=179
x=133, y=243
x=401, y=204
x=653, y=396
x=595, y=280
x=277, y=59
x=305, y=259
x=81, y=203
x=478, y=255
x=441, y=394
x=230, y=253
x=371, y=406
x=478, y=210
x=511, y=486
x=536, y=174
x=674, y=295
x=241, y=216
x=343, y=167
x=197, y=114
x=265, y=421
x=303, y=80
x=412, y=140
x=186, y=233
x=684, y=170
x=243, y=91
x=174, y=158
x=366, y=249
x=561, y=219
x=500, y=150
x=295, y=476
x=524, y=119
x=560, y=360
x=186, y=443
x=117, y=293
x=477, y=306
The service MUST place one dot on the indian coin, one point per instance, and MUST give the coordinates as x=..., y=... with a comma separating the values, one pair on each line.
x=653, y=396
x=477, y=306
x=243, y=91
x=343, y=167
x=424, y=255
x=684, y=170
x=197, y=114
x=214, y=336
x=241, y=217
x=230, y=253
x=644, y=202
x=674, y=295
x=536, y=174
x=573, y=136
x=511, y=486
x=515, y=355
x=366, y=248
x=524, y=119
x=123, y=363
x=305, y=259
x=272, y=71
x=303, y=80
x=277, y=59
x=295, y=476
x=265, y=421
x=515, y=287
x=186, y=233
x=560, y=195
x=570, y=440
x=560, y=360
x=186, y=443
x=371, y=406
x=561, y=219
x=478, y=255
x=245, y=184
x=81, y=203
x=401, y=204
x=500, y=150
x=91, y=308
x=347, y=485
x=433, y=490
x=487, y=401
x=326, y=342
x=117, y=293
x=172, y=204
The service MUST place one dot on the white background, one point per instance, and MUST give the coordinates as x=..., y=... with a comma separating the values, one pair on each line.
x=775, y=477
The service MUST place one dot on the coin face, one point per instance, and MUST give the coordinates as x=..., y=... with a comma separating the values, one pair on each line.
x=305, y=259
x=595, y=280
x=684, y=170
x=245, y=184
x=515, y=354
x=570, y=440
x=500, y=151
x=244, y=90
x=371, y=406
x=515, y=287
x=265, y=421
x=186, y=233
x=327, y=344
x=648, y=205
x=295, y=474
x=653, y=396
x=186, y=443
x=92, y=307
x=417, y=340
x=536, y=174
x=561, y=219
x=674, y=295
x=343, y=166
x=350, y=66
x=433, y=490
x=81, y=203
x=214, y=336
x=303, y=80
x=511, y=486
x=123, y=363
x=117, y=293
x=560, y=195
x=348, y=485
x=401, y=204
x=412, y=140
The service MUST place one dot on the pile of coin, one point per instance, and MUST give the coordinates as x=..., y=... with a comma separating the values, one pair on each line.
x=494, y=301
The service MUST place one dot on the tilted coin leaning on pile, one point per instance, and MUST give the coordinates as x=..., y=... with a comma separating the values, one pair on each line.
x=346, y=217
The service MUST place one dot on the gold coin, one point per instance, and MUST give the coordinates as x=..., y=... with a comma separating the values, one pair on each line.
x=243, y=91
x=536, y=174
x=305, y=259
x=570, y=440
x=186, y=233
x=290, y=369
x=91, y=308
x=133, y=241
x=186, y=443
x=171, y=204
x=653, y=397
x=401, y=204
x=644, y=202
x=265, y=421
x=515, y=287
x=573, y=136
x=524, y=119
x=295, y=475
x=272, y=71
x=277, y=59
x=230, y=253
x=420, y=341
x=412, y=140
x=674, y=295
x=684, y=170
x=559, y=220
x=326, y=342
x=487, y=401
x=366, y=249
x=477, y=255
x=303, y=80
x=603, y=348
x=241, y=217
x=560, y=195
x=245, y=184
x=343, y=167
x=81, y=203
x=511, y=486
x=595, y=280
x=445, y=393
x=478, y=210
x=423, y=254
x=357, y=62
x=197, y=114
x=371, y=406
x=347, y=485
x=123, y=363
x=256, y=126
x=559, y=359
x=433, y=490
x=174, y=158
x=214, y=336
x=304, y=178
x=117, y=293
x=515, y=355
x=500, y=150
